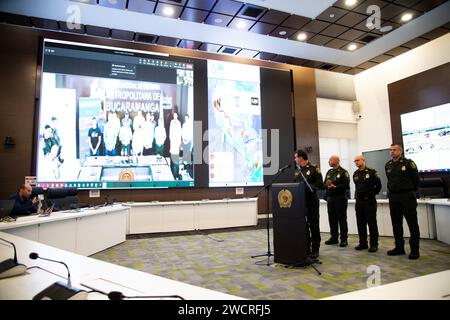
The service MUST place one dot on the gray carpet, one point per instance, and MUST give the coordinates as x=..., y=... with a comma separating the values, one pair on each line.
x=221, y=261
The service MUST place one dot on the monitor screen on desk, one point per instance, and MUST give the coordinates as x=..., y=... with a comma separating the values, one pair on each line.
x=114, y=118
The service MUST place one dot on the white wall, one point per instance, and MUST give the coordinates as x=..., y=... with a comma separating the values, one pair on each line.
x=374, y=129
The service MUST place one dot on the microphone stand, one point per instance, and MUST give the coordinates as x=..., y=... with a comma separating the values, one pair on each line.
x=267, y=187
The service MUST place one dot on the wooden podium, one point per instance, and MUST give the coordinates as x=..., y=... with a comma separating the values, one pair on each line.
x=289, y=223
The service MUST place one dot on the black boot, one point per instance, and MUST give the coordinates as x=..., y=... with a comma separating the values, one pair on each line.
x=396, y=251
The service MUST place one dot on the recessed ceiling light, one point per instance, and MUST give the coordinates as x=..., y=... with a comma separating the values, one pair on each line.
x=282, y=33
x=168, y=11
x=301, y=36
x=386, y=28
x=350, y=3
x=218, y=20
x=331, y=15
x=241, y=25
x=407, y=17
x=352, y=47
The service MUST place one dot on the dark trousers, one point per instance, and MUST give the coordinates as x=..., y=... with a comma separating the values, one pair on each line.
x=312, y=225
x=337, y=216
x=366, y=214
x=404, y=204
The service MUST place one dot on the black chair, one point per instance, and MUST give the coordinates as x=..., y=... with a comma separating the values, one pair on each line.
x=72, y=201
x=56, y=197
x=431, y=188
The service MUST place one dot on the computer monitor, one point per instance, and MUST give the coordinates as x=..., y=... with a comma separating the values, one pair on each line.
x=6, y=207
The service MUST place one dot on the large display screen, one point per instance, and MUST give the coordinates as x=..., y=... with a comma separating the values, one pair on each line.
x=426, y=138
x=234, y=125
x=114, y=118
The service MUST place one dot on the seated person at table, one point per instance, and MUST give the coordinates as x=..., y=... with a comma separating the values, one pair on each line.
x=24, y=205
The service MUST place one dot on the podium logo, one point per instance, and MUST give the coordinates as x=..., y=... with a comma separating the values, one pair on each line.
x=285, y=198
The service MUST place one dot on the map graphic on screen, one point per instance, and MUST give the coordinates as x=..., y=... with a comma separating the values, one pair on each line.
x=113, y=118
x=426, y=137
x=234, y=125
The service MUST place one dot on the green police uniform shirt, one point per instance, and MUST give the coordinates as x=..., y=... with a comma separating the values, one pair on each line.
x=367, y=183
x=402, y=175
x=340, y=178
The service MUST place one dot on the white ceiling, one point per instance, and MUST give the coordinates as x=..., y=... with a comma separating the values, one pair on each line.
x=153, y=24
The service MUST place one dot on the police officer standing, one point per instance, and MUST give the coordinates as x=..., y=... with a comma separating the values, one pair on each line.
x=368, y=184
x=337, y=182
x=312, y=174
x=403, y=183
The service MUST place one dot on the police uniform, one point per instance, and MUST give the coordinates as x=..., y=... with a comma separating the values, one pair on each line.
x=403, y=182
x=337, y=202
x=367, y=184
x=314, y=178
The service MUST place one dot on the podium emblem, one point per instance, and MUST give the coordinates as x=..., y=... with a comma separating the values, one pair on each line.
x=285, y=198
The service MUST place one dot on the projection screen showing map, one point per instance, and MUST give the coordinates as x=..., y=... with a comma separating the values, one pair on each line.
x=234, y=125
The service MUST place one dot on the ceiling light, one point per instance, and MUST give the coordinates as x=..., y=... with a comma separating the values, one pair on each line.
x=407, y=17
x=386, y=28
x=218, y=20
x=168, y=11
x=282, y=33
x=301, y=36
x=350, y=3
x=241, y=25
x=352, y=47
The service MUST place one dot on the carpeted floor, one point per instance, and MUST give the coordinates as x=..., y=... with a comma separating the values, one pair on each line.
x=221, y=260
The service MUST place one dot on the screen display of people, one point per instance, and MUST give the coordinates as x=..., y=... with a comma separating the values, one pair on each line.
x=113, y=118
x=426, y=137
x=234, y=125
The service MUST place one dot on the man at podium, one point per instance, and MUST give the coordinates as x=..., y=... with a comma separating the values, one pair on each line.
x=306, y=170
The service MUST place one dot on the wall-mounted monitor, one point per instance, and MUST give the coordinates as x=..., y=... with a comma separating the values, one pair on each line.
x=426, y=138
x=114, y=118
x=235, y=149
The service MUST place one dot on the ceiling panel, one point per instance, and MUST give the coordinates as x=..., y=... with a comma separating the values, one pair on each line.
x=414, y=43
x=341, y=4
x=407, y=3
x=247, y=53
x=354, y=71
x=210, y=47
x=45, y=23
x=274, y=17
x=351, y=34
x=201, y=4
x=282, y=32
x=229, y=7
x=295, y=22
x=397, y=51
x=144, y=37
x=265, y=55
x=351, y=19
x=341, y=69
x=308, y=35
x=334, y=30
x=252, y=12
x=142, y=6
x=367, y=65
x=16, y=19
x=436, y=33
x=398, y=18
x=427, y=5
x=177, y=2
x=332, y=14
x=241, y=24
x=160, y=7
x=97, y=31
x=189, y=44
x=315, y=26
x=319, y=40
x=167, y=41
x=216, y=19
x=391, y=10
x=194, y=15
x=363, y=5
x=122, y=34
x=262, y=28
x=336, y=43
x=381, y=58
x=68, y=28
x=116, y=4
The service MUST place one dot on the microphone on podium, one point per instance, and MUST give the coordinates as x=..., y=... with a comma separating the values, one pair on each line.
x=10, y=267
x=59, y=290
x=284, y=168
